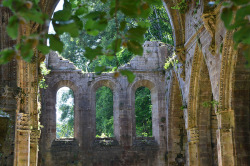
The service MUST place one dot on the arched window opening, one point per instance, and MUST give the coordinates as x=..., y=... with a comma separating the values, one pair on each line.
x=64, y=113
x=143, y=112
x=104, y=112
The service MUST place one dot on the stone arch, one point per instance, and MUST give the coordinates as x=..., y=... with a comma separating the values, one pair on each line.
x=115, y=87
x=155, y=106
x=176, y=132
x=234, y=110
x=177, y=23
x=49, y=114
x=201, y=122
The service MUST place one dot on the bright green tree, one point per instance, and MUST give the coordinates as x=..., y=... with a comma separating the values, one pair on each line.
x=104, y=112
x=143, y=112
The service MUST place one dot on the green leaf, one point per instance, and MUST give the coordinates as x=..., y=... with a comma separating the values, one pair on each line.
x=242, y=35
x=93, y=53
x=116, y=44
x=55, y=43
x=99, y=69
x=240, y=2
x=137, y=34
x=66, y=26
x=43, y=48
x=246, y=53
x=62, y=15
x=81, y=10
x=145, y=11
x=227, y=16
x=154, y=2
x=7, y=3
x=67, y=5
x=12, y=28
x=144, y=24
x=95, y=15
x=6, y=55
x=33, y=16
x=123, y=25
x=26, y=51
x=242, y=12
x=135, y=47
x=129, y=74
x=93, y=27
x=78, y=22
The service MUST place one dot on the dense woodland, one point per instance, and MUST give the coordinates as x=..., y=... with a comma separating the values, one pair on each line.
x=159, y=29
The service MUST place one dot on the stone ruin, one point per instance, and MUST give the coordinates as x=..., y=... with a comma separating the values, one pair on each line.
x=125, y=148
x=201, y=110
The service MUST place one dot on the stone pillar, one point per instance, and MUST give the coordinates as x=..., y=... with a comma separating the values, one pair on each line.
x=225, y=143
x=34, y=137
x=22, y=143
x=193, y=147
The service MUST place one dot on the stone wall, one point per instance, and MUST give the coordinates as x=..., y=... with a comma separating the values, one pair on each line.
x=209, y=69
x=125, y=148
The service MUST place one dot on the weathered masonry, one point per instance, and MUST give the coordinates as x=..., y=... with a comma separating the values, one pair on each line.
x=201, y=114
x=125, y=148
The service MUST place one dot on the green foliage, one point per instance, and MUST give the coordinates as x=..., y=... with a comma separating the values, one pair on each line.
x=65, y=108
x=104, y=112
x=159, y=26
x=210, y=103
x=44, y=72
x=143, y=112
x=182, y=6
x=129, y=74
x=235, y=16
x=171, y=62
x=117, y=24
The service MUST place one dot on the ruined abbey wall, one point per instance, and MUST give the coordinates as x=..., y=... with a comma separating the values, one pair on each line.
x=204, y=101
x=125, y=148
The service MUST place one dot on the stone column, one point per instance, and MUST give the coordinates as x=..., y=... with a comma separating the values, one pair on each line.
x=193, y=147
x=34, y=137
x=225, y=143
x=22, y=143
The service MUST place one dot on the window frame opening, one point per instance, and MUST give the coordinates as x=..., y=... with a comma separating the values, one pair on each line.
x=105, y=134
x=66, y=102
x=147, y=118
